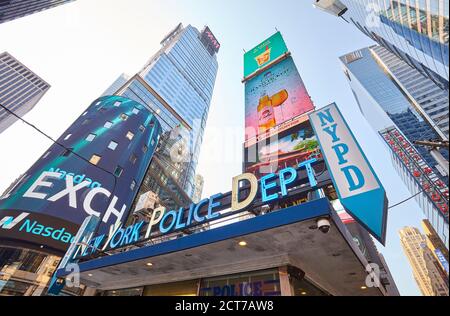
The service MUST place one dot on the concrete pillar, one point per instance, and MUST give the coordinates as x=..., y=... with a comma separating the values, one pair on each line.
x=89, y=291
x=285, y=283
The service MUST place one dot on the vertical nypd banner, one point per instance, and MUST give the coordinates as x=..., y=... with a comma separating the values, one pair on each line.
x=358, y=187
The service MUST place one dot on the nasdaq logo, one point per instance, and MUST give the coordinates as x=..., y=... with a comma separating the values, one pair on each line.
x=35, y=228
x=9, y=222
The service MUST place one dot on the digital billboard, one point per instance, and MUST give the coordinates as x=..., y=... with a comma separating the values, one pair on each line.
x=95, y=168
x=210, y=41
x=289, y=148
x=264, y=53
x=434, y=190
x=274, y=97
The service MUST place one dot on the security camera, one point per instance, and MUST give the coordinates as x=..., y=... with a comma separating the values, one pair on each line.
x=323, y=225
x=334, y=7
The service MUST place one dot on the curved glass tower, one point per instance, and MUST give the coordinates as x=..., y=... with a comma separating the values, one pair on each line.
x=414, y=30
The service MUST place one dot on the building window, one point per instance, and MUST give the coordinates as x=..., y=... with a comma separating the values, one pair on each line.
x=46, y=154
x=98, y=102
x=95, y=159
x=117, y=103
x=142, y=128
x=84, y=113
x=118, y=171
x=90, y=137
x=67, y=152
x=133, y=159
x=123, y=117
x=130, y=135
x=144, y=148
x=67, y=136
x=112, y=145
x=85, y=122
x=132, y=185
x=153, y=142
x=135, y=111
x=108, y=124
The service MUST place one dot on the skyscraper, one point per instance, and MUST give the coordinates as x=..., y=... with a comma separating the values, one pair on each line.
x=435, y=244
x=116, y=85
x=425, y=96
x=422, y=262
x=20, y=89
x=177, y=85
x=400, y=121
x=199, y=183
x=14, y=9
x=103, y=156
x=415, y=31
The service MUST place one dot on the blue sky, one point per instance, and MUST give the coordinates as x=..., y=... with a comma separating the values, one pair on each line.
x=81, y=47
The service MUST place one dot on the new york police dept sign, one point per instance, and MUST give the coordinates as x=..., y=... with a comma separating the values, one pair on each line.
x=358, y=187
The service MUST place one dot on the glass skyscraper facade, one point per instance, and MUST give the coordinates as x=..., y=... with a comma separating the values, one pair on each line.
x=386, y=107
x=20, y=89
x=177, y=84
x=14, y=9
x=183, y=73
x=427, y=98
x=414, y=30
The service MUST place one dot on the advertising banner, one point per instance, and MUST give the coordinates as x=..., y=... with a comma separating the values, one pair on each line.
x=274, y=97
x=358, y=187
x=289, y=148
x=263, y=54
x=434, y=190
x=96, y=168
x=443, y=261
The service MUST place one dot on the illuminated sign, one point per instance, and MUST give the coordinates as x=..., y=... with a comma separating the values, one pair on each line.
x=435, y=190
x=274, y=97
x=18, y=228
x=442, y=259
x=290, y=147
x=209, y=40
x=358, y=187
x=271, y=187
x=264, y=54
x=95, y=168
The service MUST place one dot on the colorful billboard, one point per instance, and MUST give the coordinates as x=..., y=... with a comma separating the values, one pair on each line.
x=95, y=168
x=263, y=54
x=274, y=97
x=287, y=149
x=434, y=190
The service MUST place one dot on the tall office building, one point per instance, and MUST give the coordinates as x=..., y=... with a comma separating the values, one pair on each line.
x=426, y=97
x=177, y=84
x=20, y=89
x=14, y=9
x=104, y=156
x=400, y=121
x=116, y=85
x=199, y=183
x=435, y=244
x=422, y=262
x=415, y=31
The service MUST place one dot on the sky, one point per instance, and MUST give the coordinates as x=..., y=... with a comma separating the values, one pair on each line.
x=80, y=48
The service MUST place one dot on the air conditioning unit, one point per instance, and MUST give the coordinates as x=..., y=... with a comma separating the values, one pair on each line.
x=146, y=203
x=334, y=7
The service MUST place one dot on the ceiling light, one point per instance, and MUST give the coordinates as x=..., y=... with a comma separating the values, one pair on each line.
x=149, y=264
x=242, y=243
x=363, y=287
x=90, y=274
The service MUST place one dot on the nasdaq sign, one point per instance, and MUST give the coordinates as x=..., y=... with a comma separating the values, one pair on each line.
x=359, y=189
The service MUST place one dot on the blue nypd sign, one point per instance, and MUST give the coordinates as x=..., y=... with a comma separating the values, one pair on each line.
x=358, y=187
